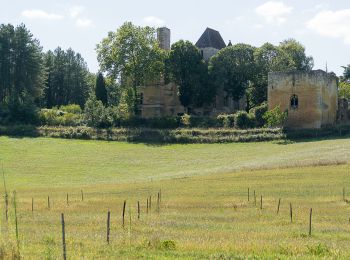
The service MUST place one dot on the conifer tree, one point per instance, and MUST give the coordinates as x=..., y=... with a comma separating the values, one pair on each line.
x=100, y=89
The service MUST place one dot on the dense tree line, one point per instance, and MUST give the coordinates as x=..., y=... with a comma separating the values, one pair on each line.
x=30, y=78
x=67, y=79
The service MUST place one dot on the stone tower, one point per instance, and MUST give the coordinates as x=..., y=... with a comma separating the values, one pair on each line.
x=163, y=35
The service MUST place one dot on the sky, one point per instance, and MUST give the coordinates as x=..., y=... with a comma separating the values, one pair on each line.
x=322, y=26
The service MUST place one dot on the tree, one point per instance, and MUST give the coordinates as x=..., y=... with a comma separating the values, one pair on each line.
x=232, y=68
x=186, y=68
x=344, y=89
x=297, y=53
x=100, y=89
x=131, y=55
x=346, y=73
x=267, y=58
x=69, y=80
x=22, y=73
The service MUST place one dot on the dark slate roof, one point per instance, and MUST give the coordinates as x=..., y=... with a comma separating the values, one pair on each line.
x=211, y=38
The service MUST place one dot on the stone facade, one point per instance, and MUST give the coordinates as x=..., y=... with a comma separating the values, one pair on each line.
x=311, y=98
x=159, y=100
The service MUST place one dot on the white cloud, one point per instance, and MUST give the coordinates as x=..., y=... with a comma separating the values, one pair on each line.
x=335, y=24
x=40, y=14
x=75, y=11
x=258, y=26
x=83, y=23
x=274, y=11
x=153, y=21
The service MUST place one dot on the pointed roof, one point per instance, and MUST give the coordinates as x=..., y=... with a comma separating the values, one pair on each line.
x=211, y=38
x=229, y=44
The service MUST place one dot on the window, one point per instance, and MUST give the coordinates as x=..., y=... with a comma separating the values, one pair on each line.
x=226, y=101
x=294, y=102
x=141, y=99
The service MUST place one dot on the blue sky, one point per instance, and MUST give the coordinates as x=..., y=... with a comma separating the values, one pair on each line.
x=322, y=26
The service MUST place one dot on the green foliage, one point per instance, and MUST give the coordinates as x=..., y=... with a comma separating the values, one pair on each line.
x=70, y=115
x=232, y=68
x=96, y=115
x=22, y=71
x=346, y=73
x=318, y=250
x=73, y=109
x=131, y=54
x=186, y=120
x=275, y=117
x=186, y=68
x=243, y=120
x=68, y=79
x=100, y=89
x=259, y=113
x=226, y=120
x=344, y=89
x=296, y=52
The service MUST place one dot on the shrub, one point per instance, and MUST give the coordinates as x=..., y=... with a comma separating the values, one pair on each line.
x=73, y=109
x=186, y=120
x=243, y=120
x=258, y=113
x=97, y=115
x=56, y=117
x=275, y=117
x=19, y=112
x=225, y=120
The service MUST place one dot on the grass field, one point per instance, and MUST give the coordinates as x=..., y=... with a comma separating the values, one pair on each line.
x=204, y=211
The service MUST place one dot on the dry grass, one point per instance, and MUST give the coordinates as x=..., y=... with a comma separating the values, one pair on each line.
x=201, y=216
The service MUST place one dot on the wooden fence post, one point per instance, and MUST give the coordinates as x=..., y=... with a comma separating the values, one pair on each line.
x=310, y=223
x=67, y=199
x=82, y=195
x=150, y=202
x=108, y=225
x=63, y=237
x=124, y=213
x=248, y=194
x=32, y=204
x=158, y=203
x=147, y=205
x=291, y=212
x=48, y=202
x=261, y=202
x=138, y=210
x=278, y=207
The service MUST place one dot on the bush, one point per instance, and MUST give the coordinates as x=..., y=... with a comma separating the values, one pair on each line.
x=19, y=112
x=97, y=115
x=258, y=113
x=243, y=120
x=225, y=120
x=73, y=109
x=186, y=120
x=57, y=117
x=275, y=117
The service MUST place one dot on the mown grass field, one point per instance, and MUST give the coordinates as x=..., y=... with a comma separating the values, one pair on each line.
x=204, y=211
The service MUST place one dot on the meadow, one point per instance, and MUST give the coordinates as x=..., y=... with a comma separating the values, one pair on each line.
x=204, y=210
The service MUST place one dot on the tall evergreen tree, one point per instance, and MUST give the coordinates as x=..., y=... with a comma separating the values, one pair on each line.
x=100, y=89
x=68, y=78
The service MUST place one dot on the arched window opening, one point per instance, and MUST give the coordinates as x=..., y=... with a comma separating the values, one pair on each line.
x=294, y=102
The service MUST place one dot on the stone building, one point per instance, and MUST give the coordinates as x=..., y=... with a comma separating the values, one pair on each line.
x=311, y=98
x=160, y=99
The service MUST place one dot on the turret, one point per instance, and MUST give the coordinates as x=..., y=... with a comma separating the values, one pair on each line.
x=163, y=35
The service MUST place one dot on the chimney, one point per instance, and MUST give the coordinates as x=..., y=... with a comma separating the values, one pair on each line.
x=163, y=35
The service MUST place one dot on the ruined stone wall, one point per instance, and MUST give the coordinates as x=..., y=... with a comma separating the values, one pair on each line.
x=160, y=100
x=317, y=95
